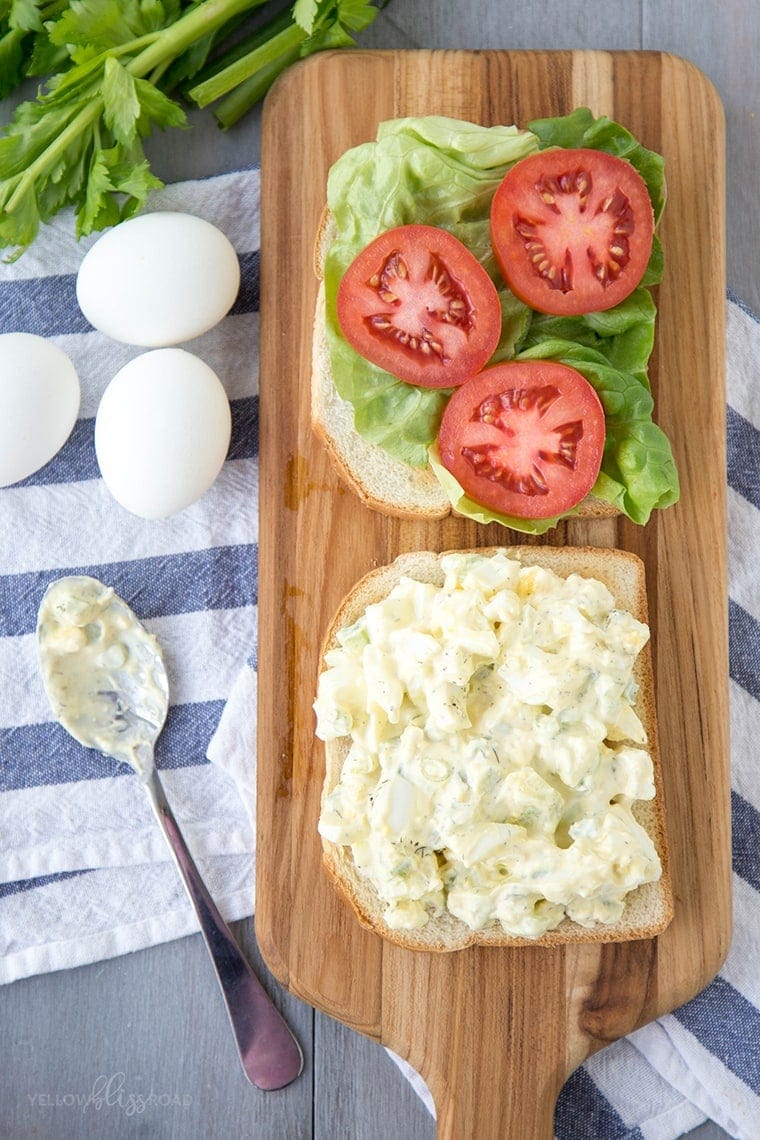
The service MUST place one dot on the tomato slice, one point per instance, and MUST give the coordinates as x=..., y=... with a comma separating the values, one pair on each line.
x=524, y=438
x=417, y=303
x=572, y=230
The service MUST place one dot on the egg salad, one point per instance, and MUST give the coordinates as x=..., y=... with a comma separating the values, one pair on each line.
x=495, y=753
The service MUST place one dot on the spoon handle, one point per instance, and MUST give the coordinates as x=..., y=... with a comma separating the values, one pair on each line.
x=269, y=1052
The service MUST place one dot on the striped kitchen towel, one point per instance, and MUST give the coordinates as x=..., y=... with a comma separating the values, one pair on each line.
x=84, y=872
x=83, y=868
x=702, y=1062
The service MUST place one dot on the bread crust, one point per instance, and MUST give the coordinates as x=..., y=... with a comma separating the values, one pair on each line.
x=409, y=492
x=649, y=908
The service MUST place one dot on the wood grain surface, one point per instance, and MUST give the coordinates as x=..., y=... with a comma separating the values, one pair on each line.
x=494, y=1032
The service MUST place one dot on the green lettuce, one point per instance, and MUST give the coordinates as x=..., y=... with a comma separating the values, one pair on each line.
x=623, y=335
x=444, y=172
x=433, y=171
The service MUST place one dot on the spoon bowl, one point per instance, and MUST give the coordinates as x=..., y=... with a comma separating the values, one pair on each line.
x=104, y=674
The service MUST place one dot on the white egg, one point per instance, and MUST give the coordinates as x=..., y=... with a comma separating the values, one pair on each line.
x=162, y=432
x=39, y=402
x=158, y=279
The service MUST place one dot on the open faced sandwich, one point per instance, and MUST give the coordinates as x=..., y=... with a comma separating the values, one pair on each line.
x=492, y=770
x=485, y=321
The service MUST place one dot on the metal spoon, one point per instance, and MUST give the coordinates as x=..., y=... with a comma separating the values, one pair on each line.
x=105, y=678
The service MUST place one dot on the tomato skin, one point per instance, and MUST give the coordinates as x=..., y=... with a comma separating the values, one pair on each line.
x=418, y=304
x=572, y=230
x=524, y=438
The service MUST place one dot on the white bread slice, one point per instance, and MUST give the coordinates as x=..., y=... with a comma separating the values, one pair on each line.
x=382, y=482
x=649, y=908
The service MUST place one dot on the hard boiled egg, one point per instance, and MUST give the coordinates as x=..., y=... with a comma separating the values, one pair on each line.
x=162, y=432
x=39, y=402
x=158, y=279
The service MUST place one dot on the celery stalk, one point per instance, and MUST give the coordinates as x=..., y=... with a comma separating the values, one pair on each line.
x=247, y=94
x=285, y=42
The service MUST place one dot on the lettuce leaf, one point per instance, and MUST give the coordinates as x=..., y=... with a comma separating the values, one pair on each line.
x=434, y=171
x=655, y=269
x=623, y=335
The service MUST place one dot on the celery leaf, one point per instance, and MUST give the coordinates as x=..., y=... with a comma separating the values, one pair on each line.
x=121, y=106
x=305, y=14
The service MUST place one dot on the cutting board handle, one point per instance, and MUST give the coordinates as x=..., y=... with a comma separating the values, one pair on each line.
x=513, y=1110
x=495, y=1052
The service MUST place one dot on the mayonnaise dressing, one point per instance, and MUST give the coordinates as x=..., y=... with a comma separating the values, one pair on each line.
x=495, y=753
x=102, y=671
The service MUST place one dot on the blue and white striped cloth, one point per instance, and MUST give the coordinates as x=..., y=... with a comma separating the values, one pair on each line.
x=83, y=868
x=84, y=873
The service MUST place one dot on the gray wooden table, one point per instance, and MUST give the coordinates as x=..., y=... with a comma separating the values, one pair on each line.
x=156, y=1015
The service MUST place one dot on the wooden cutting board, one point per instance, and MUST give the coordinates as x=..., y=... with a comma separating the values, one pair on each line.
x=495, y=1032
